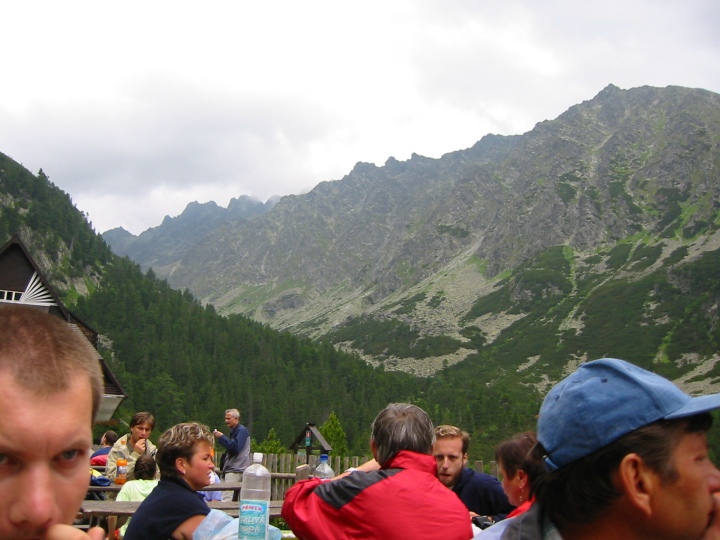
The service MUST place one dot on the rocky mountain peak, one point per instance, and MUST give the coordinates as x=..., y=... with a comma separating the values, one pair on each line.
x=627, y=162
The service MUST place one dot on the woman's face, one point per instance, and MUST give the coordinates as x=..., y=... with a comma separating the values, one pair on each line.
x=515, y=487
x=197, y=469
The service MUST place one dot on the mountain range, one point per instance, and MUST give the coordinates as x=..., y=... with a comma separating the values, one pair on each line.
x=531, y=252
x=490, y=272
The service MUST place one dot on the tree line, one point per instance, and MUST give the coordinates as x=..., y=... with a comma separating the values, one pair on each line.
x=181, y=360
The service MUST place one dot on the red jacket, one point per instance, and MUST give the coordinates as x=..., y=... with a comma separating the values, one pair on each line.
x=402, y=501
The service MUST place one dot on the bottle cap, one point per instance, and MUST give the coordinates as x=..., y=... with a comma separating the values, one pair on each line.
x=257, y=456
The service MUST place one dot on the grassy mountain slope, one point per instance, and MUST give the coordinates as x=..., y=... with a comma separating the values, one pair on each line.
x=391, y=261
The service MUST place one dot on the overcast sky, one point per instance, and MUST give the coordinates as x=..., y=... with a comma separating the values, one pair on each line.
x=137, y=108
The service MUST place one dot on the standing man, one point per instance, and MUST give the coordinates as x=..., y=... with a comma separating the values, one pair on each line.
x=481, y=493
x=237, y=449
x=51, y=390
x=132, y=445
x=627, y=456
x=403, y=499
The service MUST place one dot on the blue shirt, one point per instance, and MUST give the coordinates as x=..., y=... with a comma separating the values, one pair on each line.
x=483, y=494
x=102, y=451
x=169, y=505
x=238, y=449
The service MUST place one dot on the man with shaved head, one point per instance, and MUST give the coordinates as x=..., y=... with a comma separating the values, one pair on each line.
x=51, y=390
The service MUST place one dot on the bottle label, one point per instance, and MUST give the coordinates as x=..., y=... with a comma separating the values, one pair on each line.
x=254, y=518
x=121, y=473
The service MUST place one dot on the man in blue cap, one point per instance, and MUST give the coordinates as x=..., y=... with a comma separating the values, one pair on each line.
x=627, y=457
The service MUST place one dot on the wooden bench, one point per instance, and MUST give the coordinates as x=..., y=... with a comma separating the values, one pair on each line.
x=95, y=511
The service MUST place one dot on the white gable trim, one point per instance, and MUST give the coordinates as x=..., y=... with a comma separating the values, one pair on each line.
x=35, y=294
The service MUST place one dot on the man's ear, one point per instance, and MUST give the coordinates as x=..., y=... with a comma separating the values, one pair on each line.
x=637, y=482
x=465, y=458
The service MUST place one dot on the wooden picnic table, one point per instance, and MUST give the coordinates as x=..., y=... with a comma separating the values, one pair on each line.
x=112, y=510
x=98, y=509
x=230, y=486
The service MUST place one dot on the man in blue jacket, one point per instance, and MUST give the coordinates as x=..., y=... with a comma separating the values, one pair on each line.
x=481, y=493
x=237, y=449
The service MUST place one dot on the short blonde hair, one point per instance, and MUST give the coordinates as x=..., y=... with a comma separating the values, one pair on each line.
x=42, y=353
x=179, y=442
x=445, y=431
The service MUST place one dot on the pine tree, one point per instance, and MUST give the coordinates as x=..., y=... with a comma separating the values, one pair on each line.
x=335, y=435
x=271, y=444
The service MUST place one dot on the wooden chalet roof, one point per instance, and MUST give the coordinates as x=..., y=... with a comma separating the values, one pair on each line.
x=22, y=282
x=311, y=434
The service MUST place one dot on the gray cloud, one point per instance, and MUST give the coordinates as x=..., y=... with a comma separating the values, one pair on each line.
x=136, y=117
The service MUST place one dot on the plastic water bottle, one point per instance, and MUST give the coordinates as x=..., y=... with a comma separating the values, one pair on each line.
x=323, y=470
x=254, y=501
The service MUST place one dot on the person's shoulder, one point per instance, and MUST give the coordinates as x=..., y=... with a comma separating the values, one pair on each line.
x=120, y=444
x=104, y=451
x=480, y=476
x=352, y=485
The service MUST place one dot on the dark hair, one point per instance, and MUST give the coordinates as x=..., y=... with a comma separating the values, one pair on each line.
x=179, y=442
x=580, y=491
x=110, y=437
x=516, y=453
x=145, y=467
x=401, y=426
x=143, y=418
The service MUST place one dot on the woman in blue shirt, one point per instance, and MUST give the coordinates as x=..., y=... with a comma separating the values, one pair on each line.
x=174, y=509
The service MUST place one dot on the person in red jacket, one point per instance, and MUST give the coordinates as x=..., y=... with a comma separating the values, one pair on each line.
x=404, y=499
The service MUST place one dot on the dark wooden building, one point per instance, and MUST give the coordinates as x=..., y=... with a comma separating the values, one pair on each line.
x=310, y=441
x=22, y=282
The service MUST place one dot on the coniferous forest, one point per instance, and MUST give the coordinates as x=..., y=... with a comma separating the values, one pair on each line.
x=181, y=360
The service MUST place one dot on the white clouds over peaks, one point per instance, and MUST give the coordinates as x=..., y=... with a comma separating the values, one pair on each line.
x=136, y=109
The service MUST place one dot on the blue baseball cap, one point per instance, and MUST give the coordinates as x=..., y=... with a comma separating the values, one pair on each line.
x=604, y=400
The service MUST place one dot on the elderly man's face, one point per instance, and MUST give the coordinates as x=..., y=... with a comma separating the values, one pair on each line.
x=450, y=459
x=683, y=508
x=231, y=421
x=44, y=456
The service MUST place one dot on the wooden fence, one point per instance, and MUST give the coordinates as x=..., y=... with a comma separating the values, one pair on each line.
x=283, y=468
